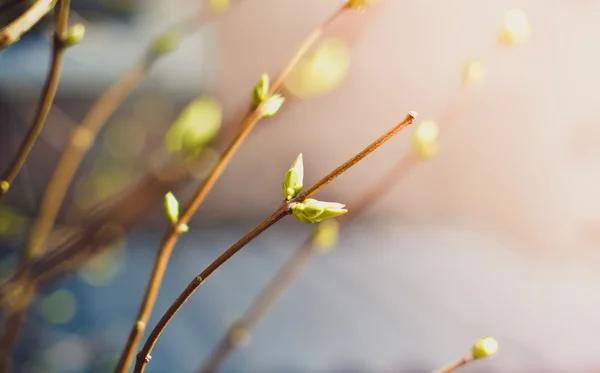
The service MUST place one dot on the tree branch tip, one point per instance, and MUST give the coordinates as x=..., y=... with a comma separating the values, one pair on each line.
x=413, y=114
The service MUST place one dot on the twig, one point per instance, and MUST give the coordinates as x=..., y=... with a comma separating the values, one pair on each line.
x=282, y=211
x=263, y=302
x=9, y=337
x=302, y=256
x=172, y=235
x=77, y=147
x=7, y=37
x=298, y=262
x=13, y=32
x=457, y=364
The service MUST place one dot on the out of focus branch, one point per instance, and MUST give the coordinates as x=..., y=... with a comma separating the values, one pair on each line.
x=13, y=32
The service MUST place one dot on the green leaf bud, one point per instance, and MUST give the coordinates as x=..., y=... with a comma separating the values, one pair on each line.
x=292, y=183
x=165, y=43
x=74, y=35
x=271, y=105
x=260, y=90
x=313, y=211
x=172, y=207
x=484, y=347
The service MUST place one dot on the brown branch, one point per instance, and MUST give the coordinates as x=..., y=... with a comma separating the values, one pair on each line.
x=14, y=321
x=172, y=235
x=83, y=138
x=49, y=92
x=457, y=364
x=276, y=287
x=283, y=210
x=77, y=147
x=299, y=260
x=13, y=32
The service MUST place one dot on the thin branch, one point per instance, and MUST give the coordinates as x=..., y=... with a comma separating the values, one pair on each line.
x=282, y=211
x=13, y=32
x=276, y=287
x=172, y=235
x=13, y=323
x=457, y=364
x=302, y=256
x=50, y=86
x=80, y=141
x=299, y=260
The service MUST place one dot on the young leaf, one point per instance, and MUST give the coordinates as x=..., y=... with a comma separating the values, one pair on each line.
x=313, y=211
x=292, y=183
x=172, y=207
x=271, y=105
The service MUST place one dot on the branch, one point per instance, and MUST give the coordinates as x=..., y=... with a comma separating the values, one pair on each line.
x=299, y=260
x=302, y=256
x=80, y=141
x=283, y=210
x=10, y=335
x=172, y=235
x=49, y=91
x=457, y=364
x=13, y=32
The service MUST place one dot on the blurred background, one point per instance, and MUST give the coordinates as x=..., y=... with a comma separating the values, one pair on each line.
x=498, y=235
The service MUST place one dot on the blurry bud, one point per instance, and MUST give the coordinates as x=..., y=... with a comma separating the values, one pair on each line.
x=485, y=347
x=425, y=139
x=312, y=211
x=358, y=4
x=74, y=35
x=172, y=207
x=4, y=186
x=321, y=71
x=271, y=105
x=197, y=125
x=260, y=90
x=326, y=235
x=165, y=43
x=516, y=28
x=292, y=183
x=474, y=72
x=219, y=5
x=239, y=335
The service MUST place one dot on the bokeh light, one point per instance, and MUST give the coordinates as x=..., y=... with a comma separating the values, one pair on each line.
x=516, y=28
x=219, y=5
x=474, y=72
x=58, y=307
x=102, y=269
x=320, y=72
x=425, y=139
x=196, y=126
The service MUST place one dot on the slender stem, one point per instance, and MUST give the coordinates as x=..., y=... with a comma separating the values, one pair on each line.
x=14, y=321
x=80, y=141
x=294, y=266
x=50, y=86
x=357, y=158
x=284, y=209
x=261, y=305
x=457, y=364
x=13, y=32
x=172, y=235
x=143, y=355
x=299, y=260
